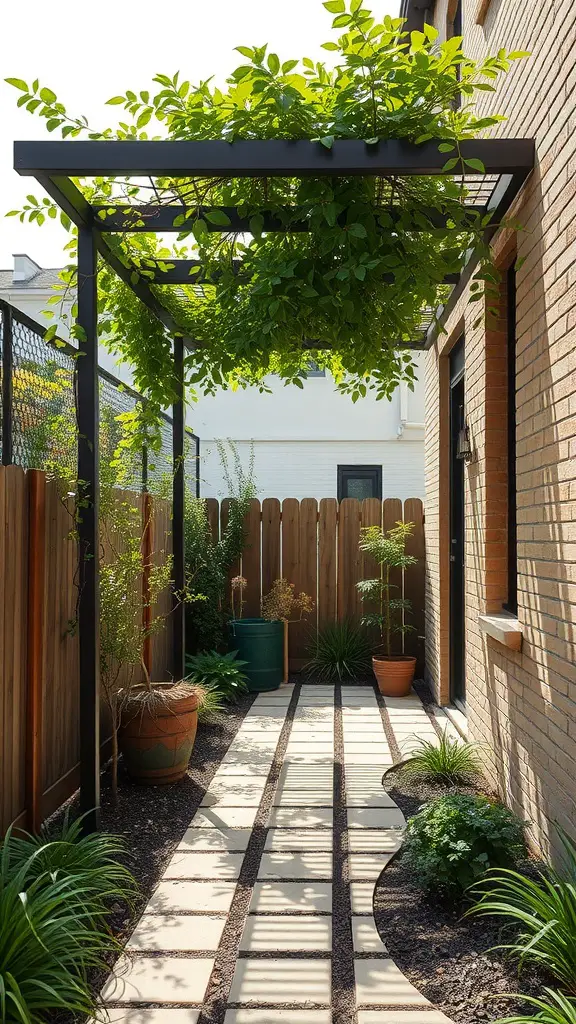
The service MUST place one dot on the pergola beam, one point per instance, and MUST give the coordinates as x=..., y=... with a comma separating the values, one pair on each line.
x=151, y=217
x=179, y=272
x=256, y=158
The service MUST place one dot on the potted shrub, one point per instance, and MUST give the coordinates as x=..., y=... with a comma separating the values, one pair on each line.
x=394, y=672
x=152, y=724
x=263, y=642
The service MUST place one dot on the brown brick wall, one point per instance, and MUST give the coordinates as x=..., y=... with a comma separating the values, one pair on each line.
x=523, y=705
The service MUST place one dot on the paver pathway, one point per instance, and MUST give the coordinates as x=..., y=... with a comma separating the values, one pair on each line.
x=264, y=913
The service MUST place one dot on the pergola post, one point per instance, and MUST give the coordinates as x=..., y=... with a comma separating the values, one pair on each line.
x=178, y=510
x=88, y=495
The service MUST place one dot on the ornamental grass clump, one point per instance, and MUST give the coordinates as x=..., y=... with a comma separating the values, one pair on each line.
x=340, y=651
x=544, y=910
x=454, y=840
x=555, y=1008
x=54, y=896
x=444, y=761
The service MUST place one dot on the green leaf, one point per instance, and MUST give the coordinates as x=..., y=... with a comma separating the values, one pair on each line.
x=144, y=118
x=134, y=277
x=354, y=5
x=256, y=225
x=360, y=272
x=218, y=217
x=199, y=229
x=289, y=66
x=518, y=54
x=18, y=83
x=273, y=63
x=335, y=6
x=246, y=51
x=475, y=165
x=115, y=101
x=50, y=332
x=47, y=95
x=330, y=46
x=341, y=20
x=446, y=147
x=357, y=230
x=327, y=141
x=450, y=164
x=179, y=220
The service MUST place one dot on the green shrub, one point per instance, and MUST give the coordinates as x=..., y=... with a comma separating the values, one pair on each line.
x=340, y=651
x=453, y=840
x=53, y=897
x=218, y=673
x=446, y=761
x=545, y=911
x=555, y=1009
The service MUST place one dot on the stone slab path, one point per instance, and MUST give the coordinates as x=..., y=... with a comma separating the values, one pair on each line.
x=264, y=913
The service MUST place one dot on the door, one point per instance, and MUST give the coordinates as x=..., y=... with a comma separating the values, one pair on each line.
x=457, y=620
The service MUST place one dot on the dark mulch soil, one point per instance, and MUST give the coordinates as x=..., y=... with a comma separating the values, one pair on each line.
x=153, y=819
x=444, y=956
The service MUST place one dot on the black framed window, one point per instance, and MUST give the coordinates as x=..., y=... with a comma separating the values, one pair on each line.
x=512, y=602
x=314, y=370
x=359, y=482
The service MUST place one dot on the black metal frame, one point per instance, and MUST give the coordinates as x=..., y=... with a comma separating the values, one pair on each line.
x=54, y=164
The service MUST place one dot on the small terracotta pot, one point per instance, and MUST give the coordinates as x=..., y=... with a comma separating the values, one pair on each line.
x=156, y=742
x=394, y=674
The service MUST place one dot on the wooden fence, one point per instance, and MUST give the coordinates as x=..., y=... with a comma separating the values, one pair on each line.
x=39, y=706
x=315, y=546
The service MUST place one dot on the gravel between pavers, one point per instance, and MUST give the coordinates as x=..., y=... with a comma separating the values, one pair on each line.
x=444, y=956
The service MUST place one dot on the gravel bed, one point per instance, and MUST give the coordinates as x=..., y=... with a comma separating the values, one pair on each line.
x=446, y=957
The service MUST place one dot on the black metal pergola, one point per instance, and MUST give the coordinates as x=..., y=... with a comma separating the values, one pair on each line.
x=507, y=163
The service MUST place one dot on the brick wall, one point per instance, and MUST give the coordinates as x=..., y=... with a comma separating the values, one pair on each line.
x=523, y=705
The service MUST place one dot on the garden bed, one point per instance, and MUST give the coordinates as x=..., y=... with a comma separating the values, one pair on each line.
x=153, y=819
x=446, y=957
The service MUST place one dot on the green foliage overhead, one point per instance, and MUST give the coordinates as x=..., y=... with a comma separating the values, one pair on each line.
x=544, y=909
x=453, y=841
x=359, y=280
x=446, y=761
x=340, y=650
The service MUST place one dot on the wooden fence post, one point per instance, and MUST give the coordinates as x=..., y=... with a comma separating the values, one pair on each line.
x=36, y=556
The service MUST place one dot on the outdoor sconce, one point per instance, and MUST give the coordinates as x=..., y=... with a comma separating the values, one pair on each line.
x=463, y=446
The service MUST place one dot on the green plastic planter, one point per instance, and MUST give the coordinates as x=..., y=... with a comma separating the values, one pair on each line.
x=261, y=644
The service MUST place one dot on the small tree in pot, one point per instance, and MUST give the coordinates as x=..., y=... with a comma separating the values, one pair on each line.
x=394, y=672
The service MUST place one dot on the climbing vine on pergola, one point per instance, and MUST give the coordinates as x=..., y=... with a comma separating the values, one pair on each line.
x=318, y=213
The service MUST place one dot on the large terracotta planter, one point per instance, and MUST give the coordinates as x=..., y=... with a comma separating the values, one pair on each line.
x=394, y=675
x=156, y=739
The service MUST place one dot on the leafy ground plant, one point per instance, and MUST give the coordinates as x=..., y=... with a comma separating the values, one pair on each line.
x=218, y=673
x=455, y=839
x=341, y=650
x=446, y=761
x=556, y=1008
x=52, y=900
x=545, y=911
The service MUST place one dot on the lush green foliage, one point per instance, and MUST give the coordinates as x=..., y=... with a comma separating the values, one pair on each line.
x=340, y=650
x=218, y=673
x=209, y=559
x=556, y=1008
x=453, y=841
x=53, y=897
x=388, y=549
x=358, y=281
x=545, y=910
x=446, y=761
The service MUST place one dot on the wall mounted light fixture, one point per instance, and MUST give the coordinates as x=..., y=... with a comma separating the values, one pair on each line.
x=463, y=445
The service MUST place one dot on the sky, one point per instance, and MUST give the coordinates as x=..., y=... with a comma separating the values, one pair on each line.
x=86, y=54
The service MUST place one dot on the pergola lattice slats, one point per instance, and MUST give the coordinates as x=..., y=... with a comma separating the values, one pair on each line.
x=507, y=164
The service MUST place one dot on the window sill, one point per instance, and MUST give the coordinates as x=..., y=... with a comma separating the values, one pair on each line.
x=506, y=629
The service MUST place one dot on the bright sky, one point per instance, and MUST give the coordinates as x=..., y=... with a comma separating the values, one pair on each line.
x=88, y=54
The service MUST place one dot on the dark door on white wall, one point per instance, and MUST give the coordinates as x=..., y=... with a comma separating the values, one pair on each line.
x=359, y=482
x=457, y=528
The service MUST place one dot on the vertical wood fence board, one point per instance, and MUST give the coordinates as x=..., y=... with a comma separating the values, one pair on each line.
x=3, y=644
x=162, y=549
x=327, y=561
x=291, y=553
x=35, y=596
x=348, y=559
x=308, y=576
x=391, y=515
x=251, y=561
x=414, y=585
x=270, y=543
x=235, y=567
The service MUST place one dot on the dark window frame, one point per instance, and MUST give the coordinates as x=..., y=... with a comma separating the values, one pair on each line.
x=373, y=472
x=511, y=604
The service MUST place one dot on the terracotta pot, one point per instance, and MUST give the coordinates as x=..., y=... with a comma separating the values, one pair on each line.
x=394, y=675
x=156, y=740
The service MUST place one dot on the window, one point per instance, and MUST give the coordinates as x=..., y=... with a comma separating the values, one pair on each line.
x=359, y=482
x=454, y=28
x=512, y=603
x=314, y=370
